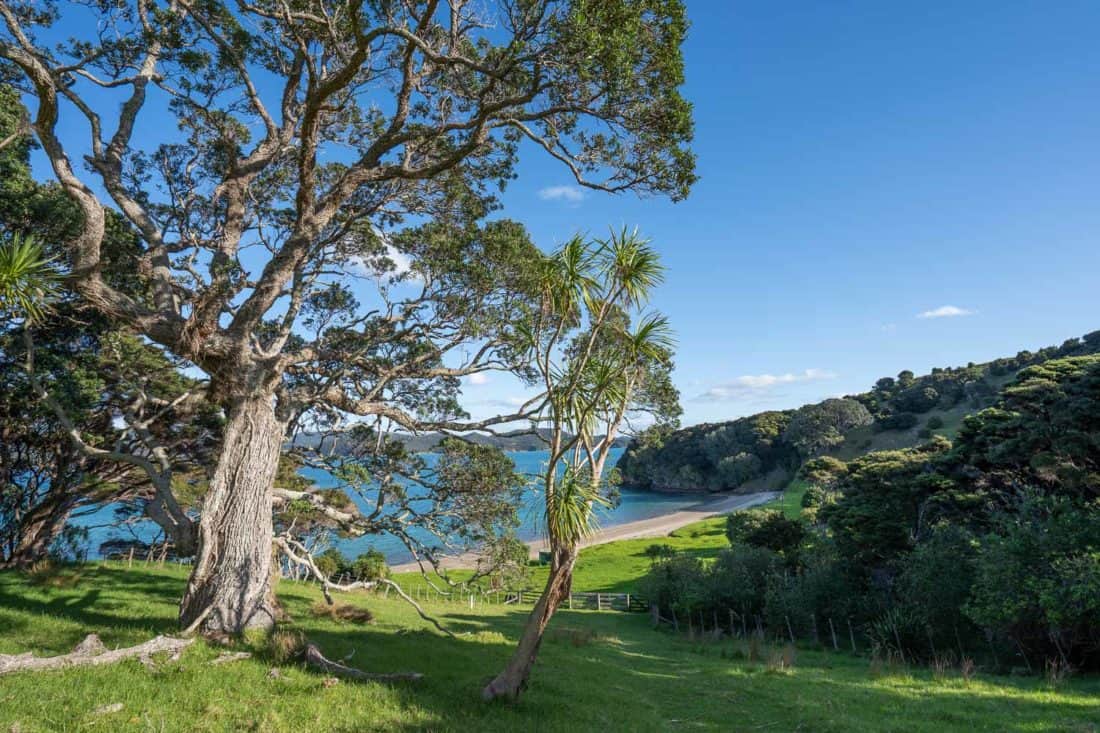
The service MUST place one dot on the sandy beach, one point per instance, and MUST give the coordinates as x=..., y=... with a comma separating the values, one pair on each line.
x=652, y=527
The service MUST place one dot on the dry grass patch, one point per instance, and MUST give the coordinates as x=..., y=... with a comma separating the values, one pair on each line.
x=341, y=612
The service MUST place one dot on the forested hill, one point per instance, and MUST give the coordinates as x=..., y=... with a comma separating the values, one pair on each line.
x=517, y=441
x=764, y=451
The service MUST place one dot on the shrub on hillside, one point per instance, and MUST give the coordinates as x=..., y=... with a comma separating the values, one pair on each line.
x=899, y=421
x=767, y=529
x=1037, y=581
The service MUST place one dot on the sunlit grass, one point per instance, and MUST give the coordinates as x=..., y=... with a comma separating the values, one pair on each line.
x=600, y=671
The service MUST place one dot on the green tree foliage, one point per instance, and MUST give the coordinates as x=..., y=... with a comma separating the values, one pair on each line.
x=880, y=513
x=897, y=421
x=710, y=457
x=368, y=566
x=1042, y=432
x=94, y=373
x=1037, y=581
x=989, y=548
x=601, y=360
x=770, y=530
x=816, y=428
x=723, y=456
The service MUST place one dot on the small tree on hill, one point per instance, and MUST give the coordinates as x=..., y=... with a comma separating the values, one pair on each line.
x=594, y=382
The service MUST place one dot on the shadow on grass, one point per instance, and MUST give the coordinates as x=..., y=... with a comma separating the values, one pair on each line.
x=618, y=674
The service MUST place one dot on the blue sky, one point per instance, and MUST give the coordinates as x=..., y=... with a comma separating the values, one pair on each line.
x=863, y=163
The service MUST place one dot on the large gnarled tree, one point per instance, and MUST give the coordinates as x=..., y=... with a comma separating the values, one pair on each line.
x=262, y=147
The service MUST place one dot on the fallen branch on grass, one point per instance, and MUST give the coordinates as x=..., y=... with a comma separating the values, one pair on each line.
x=91, y=653
x=297, y=553
x=314, y=658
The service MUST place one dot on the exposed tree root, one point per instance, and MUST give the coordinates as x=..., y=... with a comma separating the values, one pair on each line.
x=314, y=658
x=91, y=652
x=228, y=657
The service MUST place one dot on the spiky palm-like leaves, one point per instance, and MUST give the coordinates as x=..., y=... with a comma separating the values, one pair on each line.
x=570, y=509
x=631, y=265
x=27, y=279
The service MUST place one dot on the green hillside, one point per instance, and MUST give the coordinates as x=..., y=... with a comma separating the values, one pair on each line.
x=764, y=451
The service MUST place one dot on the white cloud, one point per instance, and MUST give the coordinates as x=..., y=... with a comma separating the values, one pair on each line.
x=750, y=384
x=946, y=311
x=568, y=194
x=373, y=267
x=479, y=378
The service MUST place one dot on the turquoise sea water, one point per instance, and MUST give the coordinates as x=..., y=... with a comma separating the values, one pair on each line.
x=633, y=505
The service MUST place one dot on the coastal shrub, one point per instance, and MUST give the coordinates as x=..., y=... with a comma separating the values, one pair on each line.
x=740, y=577
x=330, y=562
x=934, y=423
x=899, y=421
x=1037, y=581
x=371, y=565
x=935, y=582
x=676, y=585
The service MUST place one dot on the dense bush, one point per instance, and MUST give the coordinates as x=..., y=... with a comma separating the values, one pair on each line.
x=371, y=565
x=769, y=530
x=815, y=428
x=1037, y=581
x=990, y=546
x=898, y=421
x=709, y=457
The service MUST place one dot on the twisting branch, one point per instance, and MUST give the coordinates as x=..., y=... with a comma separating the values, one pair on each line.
x=298, y=554
x=165, y=509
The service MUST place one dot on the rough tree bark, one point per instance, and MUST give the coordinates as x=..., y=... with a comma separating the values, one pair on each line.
x=41, y=526
x=230, y=589
x=513, y=679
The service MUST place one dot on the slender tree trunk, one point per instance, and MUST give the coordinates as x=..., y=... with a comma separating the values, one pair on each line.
x=37, y=531
x=513, y=679
x=230, y=586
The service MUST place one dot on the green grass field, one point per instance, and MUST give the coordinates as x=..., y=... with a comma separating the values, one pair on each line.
x=598, y=671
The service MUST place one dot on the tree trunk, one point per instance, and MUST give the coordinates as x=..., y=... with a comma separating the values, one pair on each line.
x=38, y=529
x=230, y=586
x=513, y=679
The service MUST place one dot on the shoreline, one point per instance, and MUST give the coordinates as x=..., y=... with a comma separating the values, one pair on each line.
x=653, y=527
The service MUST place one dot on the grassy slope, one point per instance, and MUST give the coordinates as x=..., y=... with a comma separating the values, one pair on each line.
x=628, y=677
x=864, y=440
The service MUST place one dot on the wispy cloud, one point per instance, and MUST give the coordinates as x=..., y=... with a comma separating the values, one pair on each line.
x=478, y=378
x=568, y=194
x=946, y=311
x=380, y=266
x=752, y=384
